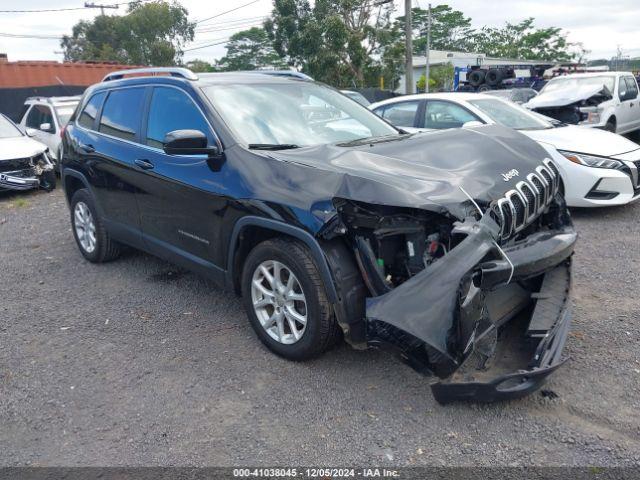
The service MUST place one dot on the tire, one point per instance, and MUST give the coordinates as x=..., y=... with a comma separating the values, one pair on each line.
x=320, y=331
x=104, y=248
x=476, y=77
x=611, y=125
x=494, y=77
x=48, y=180
x=484, y=88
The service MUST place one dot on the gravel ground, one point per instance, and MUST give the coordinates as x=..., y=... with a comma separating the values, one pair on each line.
x=136, y=362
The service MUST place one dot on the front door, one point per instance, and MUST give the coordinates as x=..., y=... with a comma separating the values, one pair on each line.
x=180, y=200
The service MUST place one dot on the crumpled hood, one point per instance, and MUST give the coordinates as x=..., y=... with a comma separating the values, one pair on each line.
x=563, y=97
x=584, y=140
x=19, y=147
x=426, y=168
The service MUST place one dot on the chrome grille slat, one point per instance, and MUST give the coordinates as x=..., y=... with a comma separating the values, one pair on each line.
x=520, y=206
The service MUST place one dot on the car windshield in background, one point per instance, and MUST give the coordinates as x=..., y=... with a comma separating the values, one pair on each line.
x=8, y=129
x=568, y=83
x=510, y=115
x=293, y=114
x=64, y=114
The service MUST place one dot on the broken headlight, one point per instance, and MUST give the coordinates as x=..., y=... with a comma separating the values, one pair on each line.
x=592, y=160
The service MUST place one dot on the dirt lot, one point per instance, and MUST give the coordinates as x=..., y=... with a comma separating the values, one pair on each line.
x=138, y=363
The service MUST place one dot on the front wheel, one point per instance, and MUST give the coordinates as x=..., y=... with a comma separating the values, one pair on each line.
x=285, y=300
x=610, y=126
x=94, y=242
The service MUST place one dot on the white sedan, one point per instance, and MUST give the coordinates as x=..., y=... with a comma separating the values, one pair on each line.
x=598, y=168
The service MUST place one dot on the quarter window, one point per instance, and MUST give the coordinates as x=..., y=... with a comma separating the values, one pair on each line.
x=122, y=112
x=88, y=115
x=171, y=110
x=402, y=114
x=440, y=115
x=38, y=115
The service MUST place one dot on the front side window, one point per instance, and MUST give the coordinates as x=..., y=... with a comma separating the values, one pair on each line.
x=8, y=129
x=401, y=114
x=440, y=115
x=632, y=88
x=88, y=115
x=122, y=113
x=510, y=115
x=170, y=110
x=38, y=115
x=64, y=113
x=293, y=113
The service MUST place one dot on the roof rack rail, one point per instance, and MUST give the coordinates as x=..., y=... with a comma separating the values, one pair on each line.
x=171, y=71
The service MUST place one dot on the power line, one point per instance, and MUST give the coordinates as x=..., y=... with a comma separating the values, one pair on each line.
x=205, y=46
x=228, y=11
x=41, y=37
x=235, y=27
x=237, y=20
x=47, y=10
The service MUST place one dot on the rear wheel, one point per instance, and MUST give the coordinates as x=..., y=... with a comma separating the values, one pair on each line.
x=92, y=238
x=285, y=300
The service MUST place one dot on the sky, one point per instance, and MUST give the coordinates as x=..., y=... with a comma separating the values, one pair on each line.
x=600, y=27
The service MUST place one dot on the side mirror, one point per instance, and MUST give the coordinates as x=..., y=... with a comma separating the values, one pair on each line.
x=45, y=127
x=188, y=142
x=472, y=123
x=30, y=132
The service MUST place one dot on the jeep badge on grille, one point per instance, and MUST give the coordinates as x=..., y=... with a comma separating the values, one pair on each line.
x=510, y=174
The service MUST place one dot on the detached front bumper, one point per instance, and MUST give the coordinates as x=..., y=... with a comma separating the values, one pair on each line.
x=15, y=181
x=464, y=310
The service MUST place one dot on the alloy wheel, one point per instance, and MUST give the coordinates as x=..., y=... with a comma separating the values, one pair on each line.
x=279, y=302
x=85, y=227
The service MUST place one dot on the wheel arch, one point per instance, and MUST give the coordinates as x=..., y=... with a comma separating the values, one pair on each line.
x=72, y=181
x=250, y=230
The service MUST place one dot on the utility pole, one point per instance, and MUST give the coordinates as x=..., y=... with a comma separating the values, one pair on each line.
x=101, y=6
x=408, y=45
x=428, y=47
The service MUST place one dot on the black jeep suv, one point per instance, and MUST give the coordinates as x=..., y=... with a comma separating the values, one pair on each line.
x=450, y=248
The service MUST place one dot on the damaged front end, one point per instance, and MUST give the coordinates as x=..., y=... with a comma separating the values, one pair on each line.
x=27, y=173
x=481, y=303
x=578, y=108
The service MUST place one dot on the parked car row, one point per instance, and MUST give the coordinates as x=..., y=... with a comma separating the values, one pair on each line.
x=598, y=168
x=442, y=247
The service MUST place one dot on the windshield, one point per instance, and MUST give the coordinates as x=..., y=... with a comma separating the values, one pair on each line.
x=64, y=114
x=293, y=114
x=563, y=83
x=8, y=129
x=358, y=97
x=510, y=115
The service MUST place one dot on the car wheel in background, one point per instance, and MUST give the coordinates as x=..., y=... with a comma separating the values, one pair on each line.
x=48, y=180
x=610, y=126
x=92, y=238
x=285, y=300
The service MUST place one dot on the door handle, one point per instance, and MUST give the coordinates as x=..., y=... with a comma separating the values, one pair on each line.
x=143, y=164
x=86, y=148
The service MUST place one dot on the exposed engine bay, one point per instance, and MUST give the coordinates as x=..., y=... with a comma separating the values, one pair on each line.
x=28, y=173
x=577, y=111
x=442, y=293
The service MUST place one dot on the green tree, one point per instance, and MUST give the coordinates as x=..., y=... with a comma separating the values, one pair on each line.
x=149, y=34
x=197, y=66
x=250, y=50
x=440, y=78
x=450, y=29
x=523, y=40
x=334, y=40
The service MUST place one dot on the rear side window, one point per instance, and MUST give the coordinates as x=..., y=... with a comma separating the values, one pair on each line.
x=88, y=115
x=38, y=115
x=632, y=88
x=401, y=114
x=171, y=110
x=122, y=112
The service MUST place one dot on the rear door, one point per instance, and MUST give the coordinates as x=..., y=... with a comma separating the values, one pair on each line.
x=180, y=204
x=109, y=152
x=628, y=108
x=402, y=114
x=634, y=107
